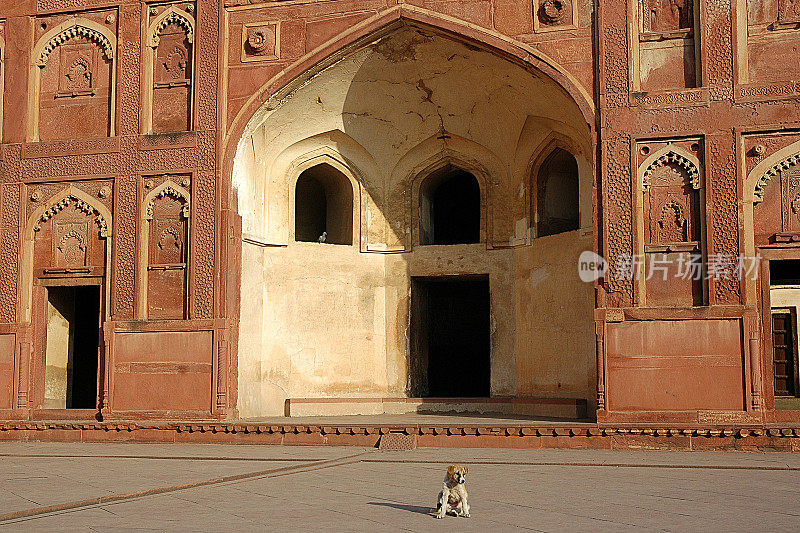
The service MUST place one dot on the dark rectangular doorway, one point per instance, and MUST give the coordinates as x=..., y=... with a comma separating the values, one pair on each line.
x=784, y=342
x=72, y=349
x=450, y=344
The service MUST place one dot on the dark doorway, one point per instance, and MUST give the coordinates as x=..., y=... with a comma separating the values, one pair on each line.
x=450, y=344
x=784, y=342
x=73, y=337
x=450, y=208
x=785, y=272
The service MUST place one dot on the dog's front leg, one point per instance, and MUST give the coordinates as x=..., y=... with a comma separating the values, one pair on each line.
x=464, y=507
x=444, y=497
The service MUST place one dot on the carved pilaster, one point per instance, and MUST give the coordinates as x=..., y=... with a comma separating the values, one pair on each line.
x=25, y=353
x=601, y=366
x=222, y=369
x=754, y=352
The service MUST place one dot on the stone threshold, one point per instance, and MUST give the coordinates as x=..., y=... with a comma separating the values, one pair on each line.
x=559, y=408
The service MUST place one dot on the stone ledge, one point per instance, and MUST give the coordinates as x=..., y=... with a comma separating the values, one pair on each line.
x=562, y=408
x=782, y=438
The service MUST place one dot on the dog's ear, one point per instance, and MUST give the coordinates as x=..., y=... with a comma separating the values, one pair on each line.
x=466, y=470
x=451, y=470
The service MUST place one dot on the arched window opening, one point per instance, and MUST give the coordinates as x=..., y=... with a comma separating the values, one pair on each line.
x=323, y=206
x=450, y=208
x=557, y=209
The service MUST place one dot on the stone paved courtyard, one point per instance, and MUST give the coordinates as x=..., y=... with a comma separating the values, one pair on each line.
x=112, y=487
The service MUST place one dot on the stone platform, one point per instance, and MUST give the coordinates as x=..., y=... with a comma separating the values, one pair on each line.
x=419, y=431
x=563, y=408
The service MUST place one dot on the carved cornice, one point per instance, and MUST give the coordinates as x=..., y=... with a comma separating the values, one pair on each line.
x=771, y=172
x=787, y=431
x=80, y=205
x=77, y=29
x=172, y=15
x=168, y=188
x=672, y=156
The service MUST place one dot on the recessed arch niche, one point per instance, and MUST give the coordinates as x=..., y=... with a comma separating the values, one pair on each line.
x=408, y=104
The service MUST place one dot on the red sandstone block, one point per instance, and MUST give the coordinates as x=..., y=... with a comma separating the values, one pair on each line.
x=305, y=438
x=513, y=17
x=320, y=31
x=256, y=438
x=196, y=437
x=107, y=436
x=352, y=440
x=713, y=443
x=56, y=435
x=151, y=435
x=639, y=442
x=15, y=434
x=477, y=12
x=764, y=443
x=473, y=441
x=247, y=80
x=293, y=39
x=563, y=441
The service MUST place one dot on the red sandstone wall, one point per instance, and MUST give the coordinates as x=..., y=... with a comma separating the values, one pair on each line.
x=741, y=103
x=88, y=140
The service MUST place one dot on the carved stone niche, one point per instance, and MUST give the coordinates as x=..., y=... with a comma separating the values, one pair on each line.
x=553, y=15
x=261, y=41
x=788, y=11
x=777, y=212
x=670, y=213
x=169, y=65
x=667, y=16
x=165, y=255
x=666, y=45
x=69, y=231
x=73, y=82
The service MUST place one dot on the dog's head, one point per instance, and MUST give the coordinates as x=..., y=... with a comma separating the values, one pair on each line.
x=457, y=473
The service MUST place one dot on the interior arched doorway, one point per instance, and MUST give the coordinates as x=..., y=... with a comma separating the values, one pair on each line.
x=414, y=119
x=450, y=208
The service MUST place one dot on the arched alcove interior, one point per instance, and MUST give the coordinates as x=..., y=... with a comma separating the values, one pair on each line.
x=557, y=209
x=414, y=137
x=323, y=206
x=450, y=207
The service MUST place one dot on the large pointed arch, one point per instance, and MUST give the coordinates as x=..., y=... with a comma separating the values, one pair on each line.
x=328, y=53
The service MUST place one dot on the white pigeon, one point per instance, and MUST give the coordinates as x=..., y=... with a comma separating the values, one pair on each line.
x=323, y=237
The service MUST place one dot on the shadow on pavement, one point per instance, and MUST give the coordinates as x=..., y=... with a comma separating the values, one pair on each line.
x=411, y=508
